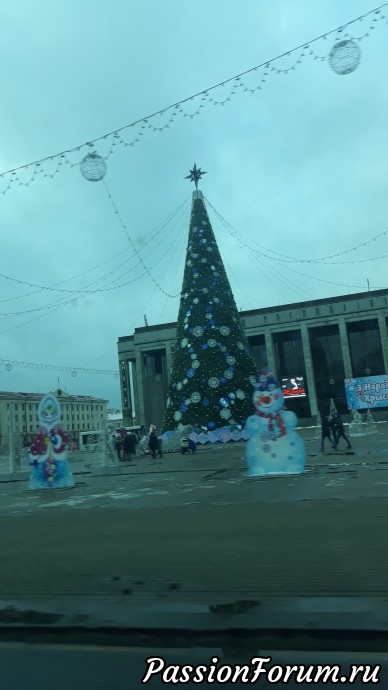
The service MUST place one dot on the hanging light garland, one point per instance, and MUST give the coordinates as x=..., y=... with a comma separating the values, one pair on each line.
x=257, y=252
x=176, y=218
x=10, y=364
x=124, y=227
x=284, y=258
x=343, y=58
x=74, y=371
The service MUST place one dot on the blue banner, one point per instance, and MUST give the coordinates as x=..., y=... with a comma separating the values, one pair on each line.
x=369, y=391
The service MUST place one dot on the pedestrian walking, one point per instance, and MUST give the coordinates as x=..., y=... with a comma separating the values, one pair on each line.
x=127, y=447
x=325, y=433
x=192, y=446
x=153, y=442
x=118, y=447
x=133, y=442
x=339, y=430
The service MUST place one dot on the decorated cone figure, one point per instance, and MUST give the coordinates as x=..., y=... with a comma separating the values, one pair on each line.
x=333, y=409
x=50, y=467
x=370, y=424
x=213, y=372
x=274, y=447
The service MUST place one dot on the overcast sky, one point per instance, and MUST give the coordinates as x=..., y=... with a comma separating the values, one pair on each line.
x=299, y=167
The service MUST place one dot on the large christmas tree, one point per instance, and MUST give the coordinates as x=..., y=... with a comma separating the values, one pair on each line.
x=213, y=372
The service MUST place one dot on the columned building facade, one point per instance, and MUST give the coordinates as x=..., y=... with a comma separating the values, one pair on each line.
x=19, y=413
x=324, y=341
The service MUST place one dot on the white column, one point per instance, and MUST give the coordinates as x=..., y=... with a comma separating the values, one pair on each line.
x=269, y=348
x=384, y=339
x=11, y=439
x=168, y=360
x=345, y=348
x=309, y=369
x=140, y=414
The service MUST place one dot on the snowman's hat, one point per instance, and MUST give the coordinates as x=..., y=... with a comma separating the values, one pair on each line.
x=266, y=379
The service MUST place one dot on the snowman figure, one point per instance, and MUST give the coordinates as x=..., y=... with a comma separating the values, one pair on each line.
x=274, y=447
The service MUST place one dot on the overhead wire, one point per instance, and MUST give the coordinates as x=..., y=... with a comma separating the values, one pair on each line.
x=259, y=257
x=284, y=258
x=149, y=237
x=58, y=304
x=124, y=227
x=205, y=95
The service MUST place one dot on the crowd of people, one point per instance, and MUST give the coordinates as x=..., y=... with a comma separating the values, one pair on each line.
x=125, y=443
x=333, y=429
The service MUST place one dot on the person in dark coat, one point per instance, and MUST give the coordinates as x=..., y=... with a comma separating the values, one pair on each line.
x=118, y=447
x=326, y=433
x=339, y=430
x=153, y=442
x=129, y=445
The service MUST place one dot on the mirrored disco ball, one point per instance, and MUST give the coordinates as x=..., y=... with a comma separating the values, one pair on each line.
x=344, y=57
x=93, y=167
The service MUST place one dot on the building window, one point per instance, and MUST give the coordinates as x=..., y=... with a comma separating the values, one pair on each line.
x=365, y=348
x=259, y=350
x=154, y=363
x=289, y=354
x=329, y=374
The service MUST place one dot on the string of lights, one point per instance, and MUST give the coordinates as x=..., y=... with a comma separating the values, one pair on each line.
x=286, y=281
x=264, y=263
x=176, y=272
x=124, y=227
x=343, y=58
x=175, y=229
x=259, y=254
x=285, y=258
x=148, y=238
x=332, y=282
x=9, y=364
x=171, y=255
x=128, y=330
x=231, y=272
x=62, y=303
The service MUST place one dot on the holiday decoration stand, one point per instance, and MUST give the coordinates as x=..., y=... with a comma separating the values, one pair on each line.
x=274, y=447
x=50, y=468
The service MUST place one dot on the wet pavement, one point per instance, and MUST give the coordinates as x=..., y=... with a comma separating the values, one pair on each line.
x=196, y=529
x=217, y=478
